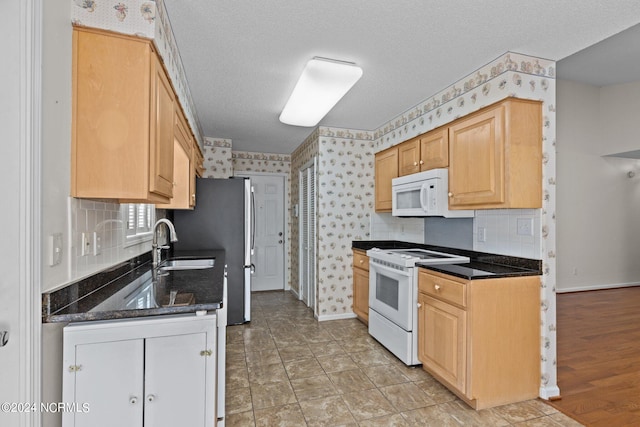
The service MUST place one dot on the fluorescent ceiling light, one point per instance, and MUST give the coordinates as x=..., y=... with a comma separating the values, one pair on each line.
x=322, y=84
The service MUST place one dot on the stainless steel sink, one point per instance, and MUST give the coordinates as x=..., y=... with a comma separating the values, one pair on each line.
x=188, y=264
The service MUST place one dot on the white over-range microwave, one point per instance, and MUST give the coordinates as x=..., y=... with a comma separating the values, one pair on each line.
x=424, y=194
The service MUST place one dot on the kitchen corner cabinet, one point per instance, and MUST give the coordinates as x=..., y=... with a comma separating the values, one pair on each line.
x=361, y=285
x=159, y=372
x=495, y=157
x=424, y=152
x=184, y=170
x=481, y=338
x=386, y=168
x=122, y=119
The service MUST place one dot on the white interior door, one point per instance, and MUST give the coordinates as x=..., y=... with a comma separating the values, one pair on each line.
x=268, y=255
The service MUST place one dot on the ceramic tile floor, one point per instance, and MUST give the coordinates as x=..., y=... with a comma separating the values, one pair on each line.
x=286, y=369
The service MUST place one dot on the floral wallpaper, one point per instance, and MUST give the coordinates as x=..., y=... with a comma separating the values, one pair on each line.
x=345, y=200
x=510, y=75
x=148, y=19
x=217, y=158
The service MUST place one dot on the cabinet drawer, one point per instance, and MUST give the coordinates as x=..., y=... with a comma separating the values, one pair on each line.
x=360, y=260
x=442, y=289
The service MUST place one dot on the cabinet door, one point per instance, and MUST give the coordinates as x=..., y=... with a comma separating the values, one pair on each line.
x=109, y=377
x=182, y=168
x=442, y=340
x=361, y=293
x=110, y=117
x=434, y=149
x=162, y=132
x=386, y=170
x=176, y=389
x=409, y=157
x=476, y=159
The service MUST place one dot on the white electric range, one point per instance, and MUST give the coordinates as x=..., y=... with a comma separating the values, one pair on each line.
x=393, y=297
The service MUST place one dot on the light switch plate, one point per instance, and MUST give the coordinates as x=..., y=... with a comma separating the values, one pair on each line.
x=55, y=249
x=97, y=243
x=86, y=244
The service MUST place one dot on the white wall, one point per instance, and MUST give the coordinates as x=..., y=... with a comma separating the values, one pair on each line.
x=598, y=212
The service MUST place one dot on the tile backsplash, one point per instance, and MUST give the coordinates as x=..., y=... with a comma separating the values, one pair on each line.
x=387, y=227
x=106, y=219
x=496, y=231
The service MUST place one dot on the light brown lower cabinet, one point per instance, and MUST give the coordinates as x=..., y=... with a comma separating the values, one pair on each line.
x=481, y=338
x=361, y=285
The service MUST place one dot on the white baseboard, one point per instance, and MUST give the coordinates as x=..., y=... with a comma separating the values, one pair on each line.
x=324, y=317
x=549, y=392
x=293, y=291
x=597, y=287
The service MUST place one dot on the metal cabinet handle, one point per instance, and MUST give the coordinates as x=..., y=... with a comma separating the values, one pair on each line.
x=361, y=261
x=450, y=194
x=280, y=233
x=4, y=338
x=419, y=305
x=280, y=241
x=415, y=163
x=436, y=287
x=422, y=162
x=133, y=400
x=151, y=398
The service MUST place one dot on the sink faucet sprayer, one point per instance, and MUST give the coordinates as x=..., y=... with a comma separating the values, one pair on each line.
x=156, y=251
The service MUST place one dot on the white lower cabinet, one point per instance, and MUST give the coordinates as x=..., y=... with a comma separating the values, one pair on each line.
x=152, y=372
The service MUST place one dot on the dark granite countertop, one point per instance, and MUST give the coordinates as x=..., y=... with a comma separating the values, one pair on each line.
x=480, y=270
x=133, y=289
x=482, y=265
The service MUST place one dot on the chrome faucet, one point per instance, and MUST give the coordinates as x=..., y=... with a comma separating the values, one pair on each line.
x=157, y=250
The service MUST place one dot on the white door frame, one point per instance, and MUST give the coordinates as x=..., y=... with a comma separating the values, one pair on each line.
x=27, y=333
x=287, y=278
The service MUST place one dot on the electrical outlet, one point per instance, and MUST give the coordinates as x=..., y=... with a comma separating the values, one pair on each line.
x=97, y=244
x=525, y=226
x=86, y=244
x=482, y=234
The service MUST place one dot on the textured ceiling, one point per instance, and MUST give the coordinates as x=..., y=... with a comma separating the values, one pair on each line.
x=243, y=57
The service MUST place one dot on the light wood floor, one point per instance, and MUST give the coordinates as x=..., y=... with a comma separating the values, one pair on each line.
x=599, y=356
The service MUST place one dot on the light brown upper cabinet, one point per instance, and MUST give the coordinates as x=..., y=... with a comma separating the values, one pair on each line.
x=184, y=196
x=434, y=149
x=385, y=170
x=123, y=119
x=424, y=152
x=495, y=157
x=409, y=157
